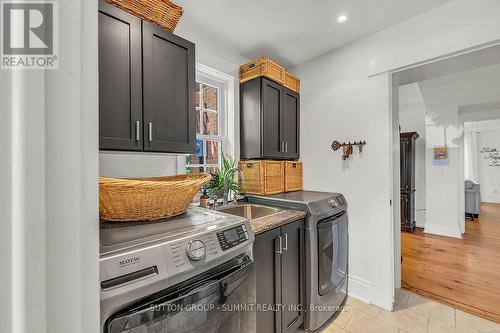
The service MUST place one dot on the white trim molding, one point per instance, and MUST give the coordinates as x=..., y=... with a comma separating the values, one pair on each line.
x=358, y=287
x=449, y=231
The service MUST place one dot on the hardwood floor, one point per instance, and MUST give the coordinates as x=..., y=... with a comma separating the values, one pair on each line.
x=464, y=273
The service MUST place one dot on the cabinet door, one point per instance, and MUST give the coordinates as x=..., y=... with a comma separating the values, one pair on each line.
x=272, y=110
x=292, y=276
x=291, y=119
x=169, y=84
x=268, y=279
x=120, y=79
x=405, y=210
x=405, y=164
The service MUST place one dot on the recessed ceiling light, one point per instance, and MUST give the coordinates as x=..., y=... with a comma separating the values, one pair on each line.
x=342, y=19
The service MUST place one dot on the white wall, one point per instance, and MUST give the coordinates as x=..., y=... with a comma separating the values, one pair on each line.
x=412, y=119
x=430, y=108
x=124, y=164
x=489, y=177
x=340, y=102
x=49, y=231
x=445, y=196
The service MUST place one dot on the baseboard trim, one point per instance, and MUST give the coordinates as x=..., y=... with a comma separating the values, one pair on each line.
x=360, y=289
x=442, y=230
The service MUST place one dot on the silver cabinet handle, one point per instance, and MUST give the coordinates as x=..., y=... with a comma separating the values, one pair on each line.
x=286, y=243
x=286, y=147
x=150, y=131
x=137, y=130
x=280, y=250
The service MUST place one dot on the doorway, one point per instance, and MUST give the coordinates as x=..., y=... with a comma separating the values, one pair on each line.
x=447, y=116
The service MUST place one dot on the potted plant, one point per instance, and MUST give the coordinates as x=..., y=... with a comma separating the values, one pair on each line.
x=215, y=187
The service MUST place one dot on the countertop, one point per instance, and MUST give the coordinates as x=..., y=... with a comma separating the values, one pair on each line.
x=264, y=224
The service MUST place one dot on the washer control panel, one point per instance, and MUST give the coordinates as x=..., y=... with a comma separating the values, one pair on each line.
x=337, y=201
x=196, y=250
x=232, y=237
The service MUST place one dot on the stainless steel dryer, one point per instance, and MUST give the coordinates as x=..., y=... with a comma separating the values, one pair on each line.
x=192, y=273
x=327, y=251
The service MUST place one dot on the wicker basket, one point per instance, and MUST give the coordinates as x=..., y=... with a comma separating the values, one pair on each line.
x=262, y=67
x=263, y=177
x=292, y=82
x=293, y=176
x=161, y=12
x=147, y=199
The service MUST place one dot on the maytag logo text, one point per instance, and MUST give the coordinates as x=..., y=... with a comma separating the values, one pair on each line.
x=29, y=32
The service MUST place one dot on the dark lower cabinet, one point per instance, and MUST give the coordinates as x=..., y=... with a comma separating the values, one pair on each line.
x=120, y=79
x=268, y=279
x=292, y=276
x=279, y=270
x=146, y=85
x=269, y=120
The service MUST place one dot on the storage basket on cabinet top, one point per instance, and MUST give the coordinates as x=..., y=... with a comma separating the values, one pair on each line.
x=267, y=68
x=262, y=67
x=161, y=12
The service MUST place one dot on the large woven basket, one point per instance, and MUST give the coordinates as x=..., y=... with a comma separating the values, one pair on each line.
x=147, y=199
x=162, y=12
x=263, y=177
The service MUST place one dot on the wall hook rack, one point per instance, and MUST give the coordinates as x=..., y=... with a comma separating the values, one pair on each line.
x=348, y=147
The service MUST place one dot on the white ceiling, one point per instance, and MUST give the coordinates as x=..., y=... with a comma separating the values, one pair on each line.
x=476, y=93
x=293, y=31
x=472, y=91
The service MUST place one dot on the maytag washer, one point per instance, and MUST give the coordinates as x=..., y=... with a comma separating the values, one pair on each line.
x=192, y=273
x=327, y=250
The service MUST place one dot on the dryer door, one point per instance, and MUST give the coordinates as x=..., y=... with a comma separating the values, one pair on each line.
x=221, y=300
x=333, y=254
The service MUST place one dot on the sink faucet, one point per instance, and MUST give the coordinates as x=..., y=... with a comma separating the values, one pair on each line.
x=226, y=185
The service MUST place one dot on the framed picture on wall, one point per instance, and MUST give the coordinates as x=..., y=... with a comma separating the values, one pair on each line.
x=441, y=156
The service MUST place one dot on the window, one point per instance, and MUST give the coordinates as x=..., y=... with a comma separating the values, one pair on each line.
x=210, y=125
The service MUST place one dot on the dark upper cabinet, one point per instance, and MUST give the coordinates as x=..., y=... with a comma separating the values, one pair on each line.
x=291, y=120
x=120, y=79
x=272, y=112
x=169, y=83
x=146, y=86
x=279, y=271
x=269, y=120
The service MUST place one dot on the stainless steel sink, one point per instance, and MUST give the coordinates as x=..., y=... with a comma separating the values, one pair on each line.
x=250, y=211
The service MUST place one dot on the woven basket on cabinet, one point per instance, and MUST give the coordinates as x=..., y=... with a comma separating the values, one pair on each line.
x=263, y=177
x=293, y=176
x=147, y=199
x=162, y=12
x=262, y=67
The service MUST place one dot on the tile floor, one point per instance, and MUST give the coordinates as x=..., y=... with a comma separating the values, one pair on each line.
x=412, y=314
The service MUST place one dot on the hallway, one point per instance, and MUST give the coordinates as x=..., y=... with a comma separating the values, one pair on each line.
x=464, y=273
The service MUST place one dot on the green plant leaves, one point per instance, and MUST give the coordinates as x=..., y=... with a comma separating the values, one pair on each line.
x=216, y=184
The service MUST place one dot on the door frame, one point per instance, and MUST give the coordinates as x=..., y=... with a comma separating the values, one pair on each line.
x=393, y=88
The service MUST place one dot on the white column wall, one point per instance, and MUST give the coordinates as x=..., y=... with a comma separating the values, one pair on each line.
x=48, y=195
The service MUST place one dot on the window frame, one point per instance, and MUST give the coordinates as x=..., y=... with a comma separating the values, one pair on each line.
x=220, y=81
